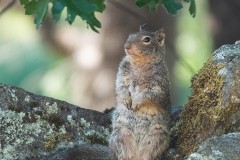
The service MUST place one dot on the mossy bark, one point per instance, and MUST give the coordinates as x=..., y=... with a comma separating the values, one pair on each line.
x=214, y=105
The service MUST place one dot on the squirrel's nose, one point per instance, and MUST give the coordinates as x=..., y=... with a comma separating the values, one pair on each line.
x=127, y=45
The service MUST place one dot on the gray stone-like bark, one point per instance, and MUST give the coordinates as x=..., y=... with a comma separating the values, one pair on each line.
x=37, y=126
x=225, y=147
x=81, y=152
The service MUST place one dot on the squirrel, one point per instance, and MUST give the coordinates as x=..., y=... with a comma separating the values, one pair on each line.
x=140, y=121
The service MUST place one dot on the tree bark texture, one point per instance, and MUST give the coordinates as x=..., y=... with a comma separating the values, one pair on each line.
x=214, y=105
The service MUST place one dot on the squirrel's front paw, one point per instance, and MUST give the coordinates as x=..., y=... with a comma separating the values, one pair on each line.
x=137, y=103
x=127, y=102
x=135, y=106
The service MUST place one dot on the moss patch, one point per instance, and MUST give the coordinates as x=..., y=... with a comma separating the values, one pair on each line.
x=204, y=115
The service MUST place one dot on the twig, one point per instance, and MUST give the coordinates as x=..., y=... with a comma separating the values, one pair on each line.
x=128, y=10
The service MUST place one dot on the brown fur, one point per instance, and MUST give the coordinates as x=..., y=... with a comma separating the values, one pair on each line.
x=140, y=122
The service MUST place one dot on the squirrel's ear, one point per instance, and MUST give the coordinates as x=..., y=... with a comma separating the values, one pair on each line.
x=160, y=35
x=142, y=27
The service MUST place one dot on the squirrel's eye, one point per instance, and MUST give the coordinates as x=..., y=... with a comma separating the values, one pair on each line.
x=146, y=39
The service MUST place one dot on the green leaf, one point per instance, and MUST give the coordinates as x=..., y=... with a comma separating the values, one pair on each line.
x=57, y=8
x=23, y=2
x=85, y=9
x=172, y=6
x=153, y=5
x=85, y=6
x=141, y=3
x=38, y=8
x=100, y=5
x=71, y=15
x=192, y=8
x=41, y=12
x=93, y=23
x=30, y=7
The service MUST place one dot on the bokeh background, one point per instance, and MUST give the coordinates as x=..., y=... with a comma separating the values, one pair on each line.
x=77, y=65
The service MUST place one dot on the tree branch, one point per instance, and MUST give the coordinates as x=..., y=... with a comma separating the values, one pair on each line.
x=8, y=6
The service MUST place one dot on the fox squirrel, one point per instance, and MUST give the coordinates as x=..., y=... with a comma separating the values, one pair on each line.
x=140, y=121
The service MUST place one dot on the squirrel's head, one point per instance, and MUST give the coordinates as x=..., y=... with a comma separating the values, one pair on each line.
x=145, y=43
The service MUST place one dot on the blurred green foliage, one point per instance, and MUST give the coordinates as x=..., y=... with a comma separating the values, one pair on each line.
x=194, y=44
x=26, y=61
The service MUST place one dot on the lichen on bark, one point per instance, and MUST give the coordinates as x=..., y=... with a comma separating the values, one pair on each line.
x=33, y=125
x=225, y=147
x=214, y=103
